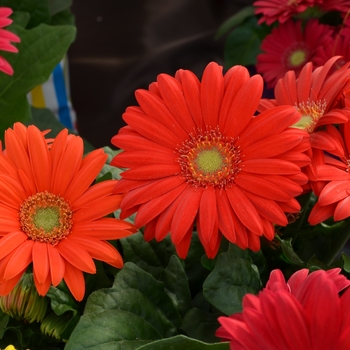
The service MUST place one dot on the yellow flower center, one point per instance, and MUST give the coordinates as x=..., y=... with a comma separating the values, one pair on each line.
x=46, y=217
x=297, y=58
x=209, y=158
x=312, y=112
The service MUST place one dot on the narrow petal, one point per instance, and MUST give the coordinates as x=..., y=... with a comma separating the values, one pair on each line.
x=269, y=166
x=74, y=279
x=99, y=250
x=334, y=192
x=244, y=210
x=41, y=265
x=57, y=265
x=212, y=92
x=39, y=158
x=342, y=210
x=104, y=228
x=21, y=258
x=76, y=255
x=185, y=213
x=68, y=166
x=208, y=215
x=86, y=175
x=98, y=209
x=172, y=94
x=44, y=287
x=10, y=242
x=244, y=106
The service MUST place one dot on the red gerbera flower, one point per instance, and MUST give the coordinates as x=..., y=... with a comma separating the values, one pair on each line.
x=49, y=214
x=5, y=39
x=289, y=47
x=314, y=95
x=334, y=198
x=196, y=153
x=342, y=6
x=281, y=11
x=305, y=314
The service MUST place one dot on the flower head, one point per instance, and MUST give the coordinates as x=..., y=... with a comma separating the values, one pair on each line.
x=333, y=200
x=315, y=95
x=6, y=37
x=196, y=154
x=318, y=317
x=50, y=215
x=281, y=11
x=290, y=47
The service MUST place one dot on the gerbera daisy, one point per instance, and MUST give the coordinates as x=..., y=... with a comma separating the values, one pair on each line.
x=306, y=313
x=5, y=39
x=289, y=47
x=342, y=6
x=314, y=95
x=196, y=153
x=334, y=198
x=50, y=215
x=281, y=11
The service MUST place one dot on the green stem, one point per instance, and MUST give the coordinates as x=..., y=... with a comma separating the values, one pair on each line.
x=338, y=243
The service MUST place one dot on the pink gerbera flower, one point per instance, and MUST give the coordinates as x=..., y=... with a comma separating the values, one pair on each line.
x=306, y=313
x=281, y=11
x=196, y=154
x=5, y=39
x=289, y=47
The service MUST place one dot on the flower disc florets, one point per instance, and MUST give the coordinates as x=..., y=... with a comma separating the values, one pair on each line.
x=209, y=158
x=46, y=217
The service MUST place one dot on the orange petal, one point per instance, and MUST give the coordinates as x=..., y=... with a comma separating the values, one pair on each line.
x=11, y=241
x=19, y=261
x=74, y=279
x=98, y=209
x=57, y=265
x=40, y=158
x=40, y=262
x=104, y=228
x=44, y=287
x=76, y=255
x=99, y=250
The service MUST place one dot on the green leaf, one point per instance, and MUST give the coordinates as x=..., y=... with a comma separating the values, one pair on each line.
x=109, y=169
x=243, y=44
x=137, y=307
x=234, y=276
x=176, y=284
x=56, y=6
x=181, y=342
x=289, y=252
x=61, y=300
x=40, y=51
x=201, y=325
x=152, y=257
x=235, y=20
x=19, y=19
x=38, y=9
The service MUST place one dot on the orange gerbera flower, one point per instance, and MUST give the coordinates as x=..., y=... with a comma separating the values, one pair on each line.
x=50, y=215
x=5, y=39
x=196, y=153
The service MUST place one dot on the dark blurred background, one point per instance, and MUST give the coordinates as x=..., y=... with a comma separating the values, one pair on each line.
x=122, y=45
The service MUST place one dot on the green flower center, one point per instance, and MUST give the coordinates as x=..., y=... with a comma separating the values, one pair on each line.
x=209, y=161
x=209, y=158
x=46, y=217
x=312, y=112
x=297, y=58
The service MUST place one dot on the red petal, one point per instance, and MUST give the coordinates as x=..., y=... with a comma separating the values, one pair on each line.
x=244, y=210
x=57, y=265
